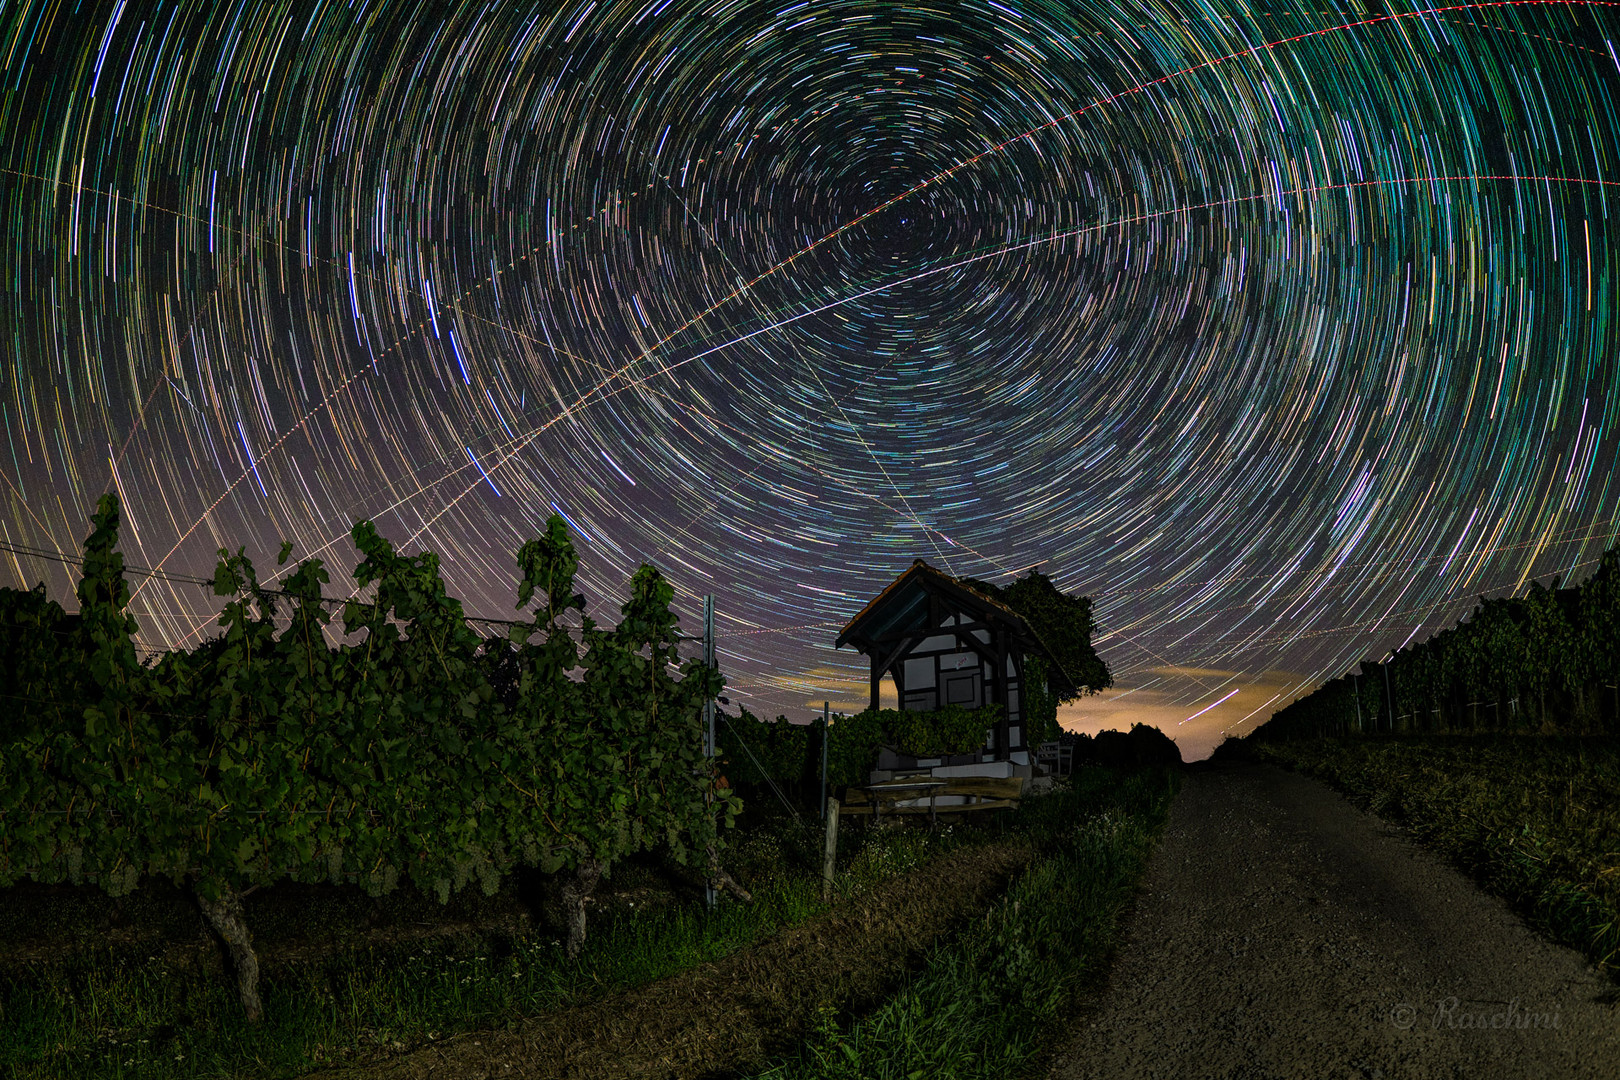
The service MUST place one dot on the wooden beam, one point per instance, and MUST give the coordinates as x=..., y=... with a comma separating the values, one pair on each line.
x=999, y=792
x=954, y=647
x=975, y=645
x=937, y=630
x=898, y=651
x=1001, y=688
x=1015, y=681
x=1000, y=787
x=987, y=804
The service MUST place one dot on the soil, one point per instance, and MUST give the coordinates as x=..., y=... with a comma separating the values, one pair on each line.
x=50, y=926
x=736, y=1012
x=163, y=924
x=1282, y=932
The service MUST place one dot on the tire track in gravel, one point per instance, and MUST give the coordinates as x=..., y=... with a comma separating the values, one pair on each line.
x=1282, y=932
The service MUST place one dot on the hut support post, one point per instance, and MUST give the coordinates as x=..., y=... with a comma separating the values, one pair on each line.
x=1001, y=691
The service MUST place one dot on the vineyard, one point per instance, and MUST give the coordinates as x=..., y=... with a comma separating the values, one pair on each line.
x=953, y=951
x=1548, y=661
x=415, y=748
x=412, y=749
x=1533, y=818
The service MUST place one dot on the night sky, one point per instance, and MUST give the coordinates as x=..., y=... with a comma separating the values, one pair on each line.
x=1285, y=334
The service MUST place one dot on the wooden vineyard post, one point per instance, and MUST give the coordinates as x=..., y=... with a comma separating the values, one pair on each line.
x=826, y=720
x=708, y=739
x=829, y=858
x=716, y=878
x=1389, y=694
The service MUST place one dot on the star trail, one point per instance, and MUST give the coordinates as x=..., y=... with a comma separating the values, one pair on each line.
x=1285, y=333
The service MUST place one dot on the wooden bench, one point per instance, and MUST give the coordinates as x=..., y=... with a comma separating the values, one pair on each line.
x=985, y=793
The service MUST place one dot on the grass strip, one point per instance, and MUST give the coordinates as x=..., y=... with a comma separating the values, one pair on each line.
x=724, y=1015
x=1535, y=819
x=105, y=1016
x=984, y=1003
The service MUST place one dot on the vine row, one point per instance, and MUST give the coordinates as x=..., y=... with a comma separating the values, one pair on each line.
x=1547, y=661
x=409, y=748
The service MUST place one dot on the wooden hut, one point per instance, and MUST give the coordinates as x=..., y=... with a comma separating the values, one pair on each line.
x=945, y=643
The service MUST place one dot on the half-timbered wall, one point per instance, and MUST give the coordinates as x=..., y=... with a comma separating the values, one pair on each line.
x=960, y=668
x=943, y=645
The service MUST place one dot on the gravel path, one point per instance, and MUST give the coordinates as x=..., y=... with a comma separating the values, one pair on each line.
x=1282, y=932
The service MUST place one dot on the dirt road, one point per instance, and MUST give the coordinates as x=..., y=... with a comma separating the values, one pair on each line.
x=1284, y=933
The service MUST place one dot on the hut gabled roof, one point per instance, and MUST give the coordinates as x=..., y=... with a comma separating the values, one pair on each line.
x=904, y=608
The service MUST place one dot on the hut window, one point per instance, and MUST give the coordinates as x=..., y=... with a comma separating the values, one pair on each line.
x=962, y=689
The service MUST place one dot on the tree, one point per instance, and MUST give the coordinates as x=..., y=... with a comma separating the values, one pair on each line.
x=1064, y=624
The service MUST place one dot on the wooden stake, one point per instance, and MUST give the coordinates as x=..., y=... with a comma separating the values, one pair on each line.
x=826, y=722
x=829, y=858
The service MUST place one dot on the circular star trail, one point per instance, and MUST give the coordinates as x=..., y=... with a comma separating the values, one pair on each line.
x=1284, y=333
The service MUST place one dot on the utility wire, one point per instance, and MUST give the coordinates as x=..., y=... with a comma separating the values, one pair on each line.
x=806, y=830
x=762, y=770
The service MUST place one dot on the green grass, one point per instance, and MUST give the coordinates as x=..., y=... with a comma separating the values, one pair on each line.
x=1534, y=818
x=104, y=1016
x=980, y=1007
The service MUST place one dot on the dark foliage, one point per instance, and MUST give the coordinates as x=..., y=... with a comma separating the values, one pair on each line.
x=1140, y=746
x=1064, y=624
x=413, y=750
